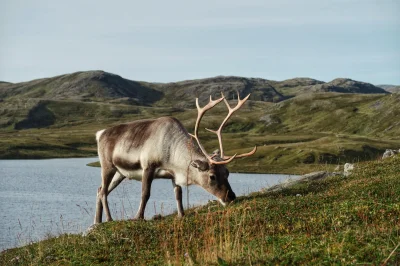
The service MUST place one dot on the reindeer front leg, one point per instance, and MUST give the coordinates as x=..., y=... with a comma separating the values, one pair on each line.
x=147, y=178
x=178, y=197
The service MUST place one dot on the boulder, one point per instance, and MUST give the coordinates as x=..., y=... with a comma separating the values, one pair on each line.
x=390, y=153
x=348, y=168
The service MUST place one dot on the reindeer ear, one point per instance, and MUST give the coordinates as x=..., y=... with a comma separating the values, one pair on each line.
x=202, y=166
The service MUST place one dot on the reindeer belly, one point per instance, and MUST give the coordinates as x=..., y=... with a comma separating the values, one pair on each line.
x=129, y=169
x=133, y=170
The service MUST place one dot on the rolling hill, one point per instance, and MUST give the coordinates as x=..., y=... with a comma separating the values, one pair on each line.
x=260, y=89
x=104, y=86
x=390, y=88
x=82, y=86
x=298, y=123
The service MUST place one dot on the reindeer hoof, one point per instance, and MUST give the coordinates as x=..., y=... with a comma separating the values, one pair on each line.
x=179, y=216
x=138, y=219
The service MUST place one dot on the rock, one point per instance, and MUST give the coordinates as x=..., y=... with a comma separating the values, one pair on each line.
x=390, y=153
x=343, y=85
x=269, y=120
x=89, y=230
x=314, y=176
x=309, y=159
x=15, y=260
x=157, y=217
x=50, y=258
x=304, y=178
x=348, y=168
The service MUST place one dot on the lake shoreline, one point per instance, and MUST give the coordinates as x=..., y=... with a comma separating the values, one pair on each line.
x=232, y=169
x=53, y=196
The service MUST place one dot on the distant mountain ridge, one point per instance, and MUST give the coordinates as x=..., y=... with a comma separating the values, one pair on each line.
x=260, y=89
x=103, y=86
x=390, y=88
x=348, y=86
x=342, y=85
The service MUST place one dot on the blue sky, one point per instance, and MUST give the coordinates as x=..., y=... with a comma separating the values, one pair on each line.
x=163, y=41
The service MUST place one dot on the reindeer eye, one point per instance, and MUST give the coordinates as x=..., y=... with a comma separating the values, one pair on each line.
x=213, y=177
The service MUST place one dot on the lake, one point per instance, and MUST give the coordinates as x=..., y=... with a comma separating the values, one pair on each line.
x=41, y=198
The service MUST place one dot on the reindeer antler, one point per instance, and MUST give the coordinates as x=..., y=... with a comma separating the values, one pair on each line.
x=201, y=112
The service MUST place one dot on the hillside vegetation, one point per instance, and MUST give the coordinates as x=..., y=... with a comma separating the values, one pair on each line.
x=339, y=220
x=298, y=124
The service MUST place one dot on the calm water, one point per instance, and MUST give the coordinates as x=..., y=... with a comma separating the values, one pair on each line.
x=39, y=198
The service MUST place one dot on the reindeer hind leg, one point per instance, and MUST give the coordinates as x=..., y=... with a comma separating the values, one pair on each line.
x=107, y=174
x=99, y=208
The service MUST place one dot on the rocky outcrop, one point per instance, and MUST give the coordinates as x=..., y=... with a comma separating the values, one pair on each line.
x=260, y=89
x=269, y=119
x=296, y=82
x=348, y=169
x=311, y=177
x=347, y=86
x=390, y=153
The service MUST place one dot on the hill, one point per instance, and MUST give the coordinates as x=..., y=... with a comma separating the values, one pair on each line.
x=297, y=128
x=339, y=220
x=297, y=86
x=390, y=88
x=82, y=86
x=347, y=86
x=103, y=86
x=185, y=91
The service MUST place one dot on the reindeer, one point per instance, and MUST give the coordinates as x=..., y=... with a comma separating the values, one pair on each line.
x=162, y=148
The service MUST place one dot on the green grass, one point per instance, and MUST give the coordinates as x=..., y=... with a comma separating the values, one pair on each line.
x=340, y=220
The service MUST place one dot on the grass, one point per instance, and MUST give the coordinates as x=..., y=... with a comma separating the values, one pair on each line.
x=340, y=220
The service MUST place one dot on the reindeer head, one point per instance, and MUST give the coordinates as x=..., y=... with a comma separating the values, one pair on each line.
x=213, y=172
x=214, y=179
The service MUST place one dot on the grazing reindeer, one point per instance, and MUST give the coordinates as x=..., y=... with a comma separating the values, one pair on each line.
x=162, y=148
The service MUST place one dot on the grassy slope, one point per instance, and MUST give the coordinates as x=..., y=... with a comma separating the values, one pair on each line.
x=341, y=220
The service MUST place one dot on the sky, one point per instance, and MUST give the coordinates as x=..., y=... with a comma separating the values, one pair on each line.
x=166, y=41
